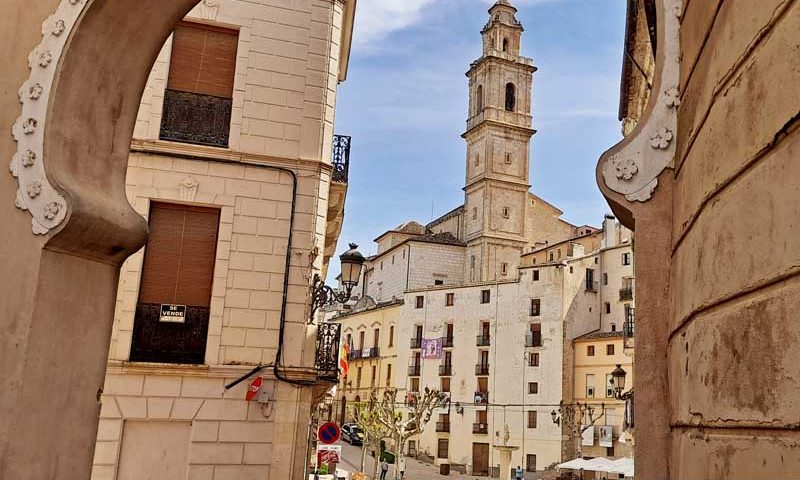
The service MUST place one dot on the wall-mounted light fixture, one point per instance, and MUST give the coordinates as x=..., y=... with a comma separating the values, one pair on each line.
x=321, y=294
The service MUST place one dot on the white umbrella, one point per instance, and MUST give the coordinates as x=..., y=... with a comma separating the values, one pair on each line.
x=575, y=464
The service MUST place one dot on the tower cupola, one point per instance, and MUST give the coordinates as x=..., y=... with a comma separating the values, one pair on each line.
x=503, y=31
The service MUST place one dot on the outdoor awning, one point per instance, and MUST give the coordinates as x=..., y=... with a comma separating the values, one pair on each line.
x=601, y=464
x=623, y=466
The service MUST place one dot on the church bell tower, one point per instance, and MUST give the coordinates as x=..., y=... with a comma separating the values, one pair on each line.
x=498, y=150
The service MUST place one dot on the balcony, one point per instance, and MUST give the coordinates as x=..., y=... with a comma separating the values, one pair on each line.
x=414, y=370
x=445, y=370
x=341, y=158
x=373, y=352
x=443, y=427
x=483, y=341
x=196, y=118
x=354, y=354
x=481, y=398
x=326, y=359
x=447, y=342
x=591, y=285
x=416, y=343
x=480, y=428
x=482, y=369
x=629, y=328
x=625, y=294
x=533, y=339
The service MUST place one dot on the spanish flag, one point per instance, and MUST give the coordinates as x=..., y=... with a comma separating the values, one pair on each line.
x=344, y=353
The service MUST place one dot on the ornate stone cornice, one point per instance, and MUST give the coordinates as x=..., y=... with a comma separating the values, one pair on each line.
x=631, y=168
x=35, y=193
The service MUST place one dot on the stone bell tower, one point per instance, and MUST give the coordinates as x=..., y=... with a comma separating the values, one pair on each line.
x=498, y=148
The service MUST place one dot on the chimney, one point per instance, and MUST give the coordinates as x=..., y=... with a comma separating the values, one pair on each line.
x=609, y=231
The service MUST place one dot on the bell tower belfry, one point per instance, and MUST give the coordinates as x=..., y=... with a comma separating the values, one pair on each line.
x=498, y=149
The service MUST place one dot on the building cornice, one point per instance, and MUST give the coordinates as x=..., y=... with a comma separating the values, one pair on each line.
x=346, y=41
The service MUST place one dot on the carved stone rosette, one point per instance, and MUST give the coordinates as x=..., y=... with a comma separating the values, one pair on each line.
x=35, y=194
x=632, y=167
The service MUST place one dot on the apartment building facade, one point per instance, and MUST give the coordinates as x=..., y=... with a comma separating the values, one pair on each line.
x=235, y=166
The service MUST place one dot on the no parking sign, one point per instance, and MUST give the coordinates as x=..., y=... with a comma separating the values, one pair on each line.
x=328, y=433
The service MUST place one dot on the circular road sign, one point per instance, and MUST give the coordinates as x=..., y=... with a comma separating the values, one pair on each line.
x=328, y=433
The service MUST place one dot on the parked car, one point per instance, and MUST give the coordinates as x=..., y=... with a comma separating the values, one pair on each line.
x=352, y=434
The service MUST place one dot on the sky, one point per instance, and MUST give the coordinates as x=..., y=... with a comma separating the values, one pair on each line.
x=406, y=97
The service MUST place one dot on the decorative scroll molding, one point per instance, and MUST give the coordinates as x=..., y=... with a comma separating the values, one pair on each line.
x=632, y=169
x=188, y=189
x=35, y=194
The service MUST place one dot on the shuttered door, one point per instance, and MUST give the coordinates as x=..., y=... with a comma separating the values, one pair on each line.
x=480, y=459
x=198, y=98
x=178, y=269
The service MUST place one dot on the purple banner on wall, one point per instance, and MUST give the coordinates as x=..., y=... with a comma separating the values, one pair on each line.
x=432, y=348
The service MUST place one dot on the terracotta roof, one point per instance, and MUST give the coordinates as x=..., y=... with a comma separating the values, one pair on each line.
x=445, y=238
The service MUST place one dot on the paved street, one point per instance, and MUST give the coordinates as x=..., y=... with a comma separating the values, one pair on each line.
x=416, y=470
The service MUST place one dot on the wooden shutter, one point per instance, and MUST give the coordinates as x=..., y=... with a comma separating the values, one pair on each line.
x=180, y=255
x=203, y=59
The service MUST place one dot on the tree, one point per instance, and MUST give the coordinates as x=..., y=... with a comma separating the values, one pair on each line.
x=421, y=407
x=366, y=417
x=572, y=417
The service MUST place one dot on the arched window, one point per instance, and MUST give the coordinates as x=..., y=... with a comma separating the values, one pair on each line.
x=511, y=97
x=479, y=99
x=505, y=44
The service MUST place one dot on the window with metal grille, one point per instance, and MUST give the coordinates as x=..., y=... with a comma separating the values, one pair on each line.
x=178, y=272
x=198, y=97
x=536, y=307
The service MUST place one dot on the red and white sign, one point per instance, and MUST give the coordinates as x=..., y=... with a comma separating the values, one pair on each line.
x=329, y=433
x=329, y=454
x=252, y=392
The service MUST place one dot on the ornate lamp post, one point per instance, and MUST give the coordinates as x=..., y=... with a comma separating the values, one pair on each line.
x=618, y=379
x=321, y=294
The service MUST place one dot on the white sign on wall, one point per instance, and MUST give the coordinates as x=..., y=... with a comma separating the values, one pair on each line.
x=606, y=436
x=588, y=437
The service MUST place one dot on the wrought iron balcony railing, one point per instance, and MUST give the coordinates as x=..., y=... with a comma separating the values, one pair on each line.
x=354, y=355
x=341, y=158
x=414, y=370
x=443, y=427
x=481, y=428
x=416, y=343
x=327, y=351
x=483, y=341
x=447, y=342
x=481, y=398
x=445, y=370
x=482, y=369
x=196, y=118
x=625, y=294
x=629, y=328
x=533, y=339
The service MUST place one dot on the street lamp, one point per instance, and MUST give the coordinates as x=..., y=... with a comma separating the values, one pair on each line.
x=321, y=294
x=618, y=379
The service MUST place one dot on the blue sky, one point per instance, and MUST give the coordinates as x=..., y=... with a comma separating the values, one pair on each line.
x=405, y=105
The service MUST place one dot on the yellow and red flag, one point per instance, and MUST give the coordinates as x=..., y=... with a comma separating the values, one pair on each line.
x=344, y=353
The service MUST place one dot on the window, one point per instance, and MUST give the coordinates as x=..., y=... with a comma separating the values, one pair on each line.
x=589, y=385
x=536, y=275
x=438, y=282
x=533, y=388
x=533, y=360
x=605, y=279
x=532, y=419
x=415, y=384
x=558, y=253
x=374, y=377
x=474, y=213
x=199, y=93
x=590, y=279
x=626, y=258
x=506, y=212
x=420, y=301
x=479, y=99
x=389, y=375
x=551, y=256
x=486, y=296
x=472, y=261
x=536, y=307
x=381, y=265
x=505, y=44
x=449, y=299
x=392, y=259
x=404, y=254
x=511, y=97
x=613, y=327
x=570, y=269
x=508, y=159
x=445, y=384
x=590, y=351
x=178, y=269
x=358, y=378
x=391, y=335
x=361, y=340
x=609, y=387
x=608, y=307
x=477, y=159
x=535, y=338
x=442, y=448
x=530, y=462
x=596, y=260
x=610, y=349
x=376, y=338
x=503, y=268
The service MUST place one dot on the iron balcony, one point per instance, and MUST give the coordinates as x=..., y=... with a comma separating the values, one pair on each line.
x=446, y=370
x=480, y=428
x=443, y=427
x=416, y=343
x=414, y=370
x=482, y=369
x=483, y=341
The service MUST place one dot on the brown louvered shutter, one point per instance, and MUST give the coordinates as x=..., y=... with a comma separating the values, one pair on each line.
x=180, y=255
x=203, y=60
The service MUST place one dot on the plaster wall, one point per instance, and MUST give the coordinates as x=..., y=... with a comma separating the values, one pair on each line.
x=433, y=261
x=388, y=275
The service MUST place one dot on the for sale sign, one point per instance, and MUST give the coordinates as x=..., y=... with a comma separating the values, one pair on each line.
x=173, y=313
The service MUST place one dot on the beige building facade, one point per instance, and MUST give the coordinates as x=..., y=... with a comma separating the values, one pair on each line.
x=269, y=185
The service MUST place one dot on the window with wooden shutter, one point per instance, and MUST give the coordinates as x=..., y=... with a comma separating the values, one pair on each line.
x=178, y=272
x=198, y=99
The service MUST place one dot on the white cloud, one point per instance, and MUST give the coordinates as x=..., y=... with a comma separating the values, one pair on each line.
x=376, y=19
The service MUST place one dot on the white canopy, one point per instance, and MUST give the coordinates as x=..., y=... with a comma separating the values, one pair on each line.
x=601, y=464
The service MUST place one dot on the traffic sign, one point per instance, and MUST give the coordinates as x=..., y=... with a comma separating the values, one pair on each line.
x=328, y=433
x=329, y=454
x=253, y=390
